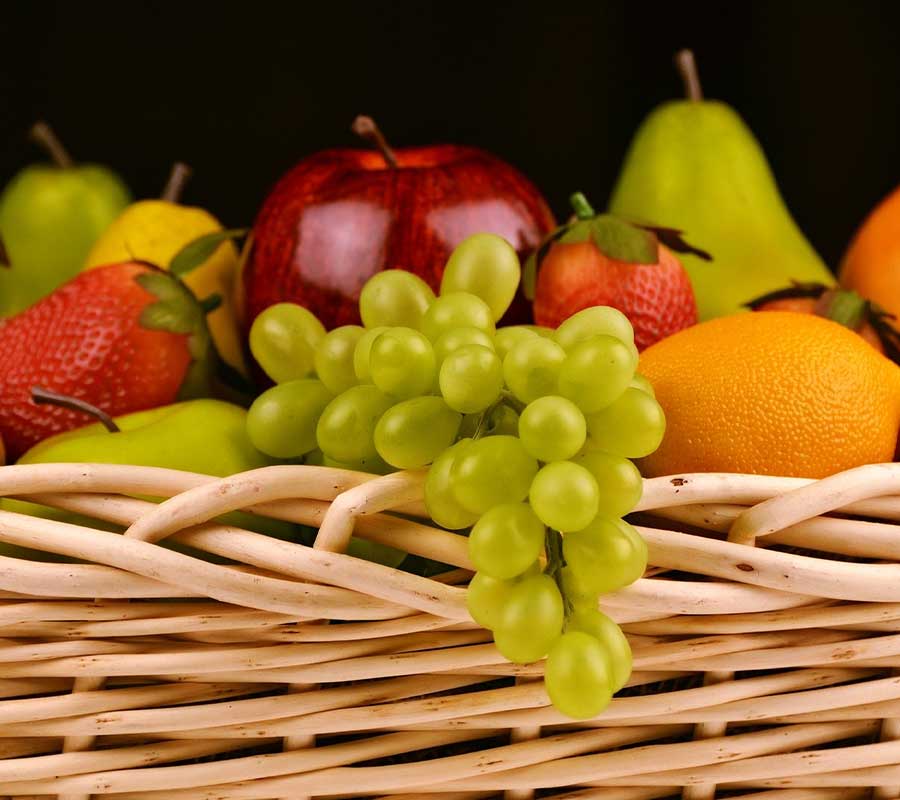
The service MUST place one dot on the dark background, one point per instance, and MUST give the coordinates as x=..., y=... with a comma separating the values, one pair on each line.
x=243, y=90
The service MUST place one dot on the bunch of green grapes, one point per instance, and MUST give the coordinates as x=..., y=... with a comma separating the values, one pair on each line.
x=527, y=433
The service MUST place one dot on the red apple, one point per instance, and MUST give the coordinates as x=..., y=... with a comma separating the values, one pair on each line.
x=340, y=216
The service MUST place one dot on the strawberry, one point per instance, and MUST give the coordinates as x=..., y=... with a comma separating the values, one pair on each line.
x=603, y=260
x=124, y=337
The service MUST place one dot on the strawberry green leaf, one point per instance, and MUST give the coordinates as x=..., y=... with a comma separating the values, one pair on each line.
x=674, y=240
x=194, y=253
x=579, y=231
x=622, y=241
x=175, y=310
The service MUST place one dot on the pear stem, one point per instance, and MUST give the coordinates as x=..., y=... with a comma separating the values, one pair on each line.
x=178, y=178
x=687, y=68
x=41, y=133
x=366, y=128
x=44, y=397
x=580, y=205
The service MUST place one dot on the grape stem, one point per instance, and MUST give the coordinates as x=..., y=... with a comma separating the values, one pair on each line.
x=512, y=401
x=555, y=562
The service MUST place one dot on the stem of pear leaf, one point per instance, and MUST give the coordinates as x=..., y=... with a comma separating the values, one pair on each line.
x=45, y=397
x=366, y=128
x=41, y=133
x=178, y=178
x=687, y=68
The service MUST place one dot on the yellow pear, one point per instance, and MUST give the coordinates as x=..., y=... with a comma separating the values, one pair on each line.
x=155, y=231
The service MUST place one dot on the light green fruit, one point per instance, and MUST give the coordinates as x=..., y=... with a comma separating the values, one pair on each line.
x=49, y=218
x=485, y=265
x=694, y=165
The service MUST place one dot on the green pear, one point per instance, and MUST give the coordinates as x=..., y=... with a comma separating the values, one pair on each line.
x=694, y=165
x=206, y=436
x=50, y=216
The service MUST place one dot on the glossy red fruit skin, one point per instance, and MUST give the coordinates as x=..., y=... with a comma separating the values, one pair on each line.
x=657, y=298
x=85, y=340
x=340, y=216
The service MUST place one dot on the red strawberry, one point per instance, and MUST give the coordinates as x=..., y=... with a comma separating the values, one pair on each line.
x=602, y=260
x=121, y=337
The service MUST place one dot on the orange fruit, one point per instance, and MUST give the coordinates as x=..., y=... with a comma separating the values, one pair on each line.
x=779, y=393
x=871, y=265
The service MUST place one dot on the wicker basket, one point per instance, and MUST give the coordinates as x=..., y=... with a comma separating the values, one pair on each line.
x=765, y=637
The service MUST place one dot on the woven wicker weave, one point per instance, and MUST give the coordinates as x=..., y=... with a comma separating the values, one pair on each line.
x=765, y=637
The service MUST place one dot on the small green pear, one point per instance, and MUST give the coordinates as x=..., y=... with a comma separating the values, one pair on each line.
x=206, y=436
x=50, y=216
x=694, y=165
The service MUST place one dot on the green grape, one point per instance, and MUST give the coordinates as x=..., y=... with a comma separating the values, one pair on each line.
x=578, y=675
x=564, y=496
x=283, y=340
x=501, y=421
x=460, y=337
x=610, y=636
x=579, y=597
x=282, y=420
x=362, y=354
x=595, y=321
x=492, y=471
x=375, y=552
x=374, y=465
x=552, y=428
x=543, y=331
x=457, y=310
x=471, y=378
x=531, y=620
x=508, y=337
x=442, y=505
x=606, y=556
x=531, y=368
x=487, y=266
x=346, y=429
x=394, y=297
x=486, y=597
x=618, y=480
x=596, y=372
x=640, y=382
x=334, y=358
x=633, y=426
x=506, y=540
x=415, y=432
x=401, y=363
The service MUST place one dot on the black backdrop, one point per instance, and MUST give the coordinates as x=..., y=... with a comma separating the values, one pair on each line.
x=242, y=90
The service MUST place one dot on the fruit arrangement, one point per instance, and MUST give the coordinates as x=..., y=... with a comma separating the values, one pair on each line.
x=379, y=320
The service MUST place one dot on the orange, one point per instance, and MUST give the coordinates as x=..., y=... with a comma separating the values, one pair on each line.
x=779, y=393
x=871, y=265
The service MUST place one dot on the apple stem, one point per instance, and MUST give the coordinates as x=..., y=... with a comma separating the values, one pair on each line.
x=366, y=128
x=178, y=178
x=687, y=68
x=44, y=397
x=41, y=133
x=580, y=205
